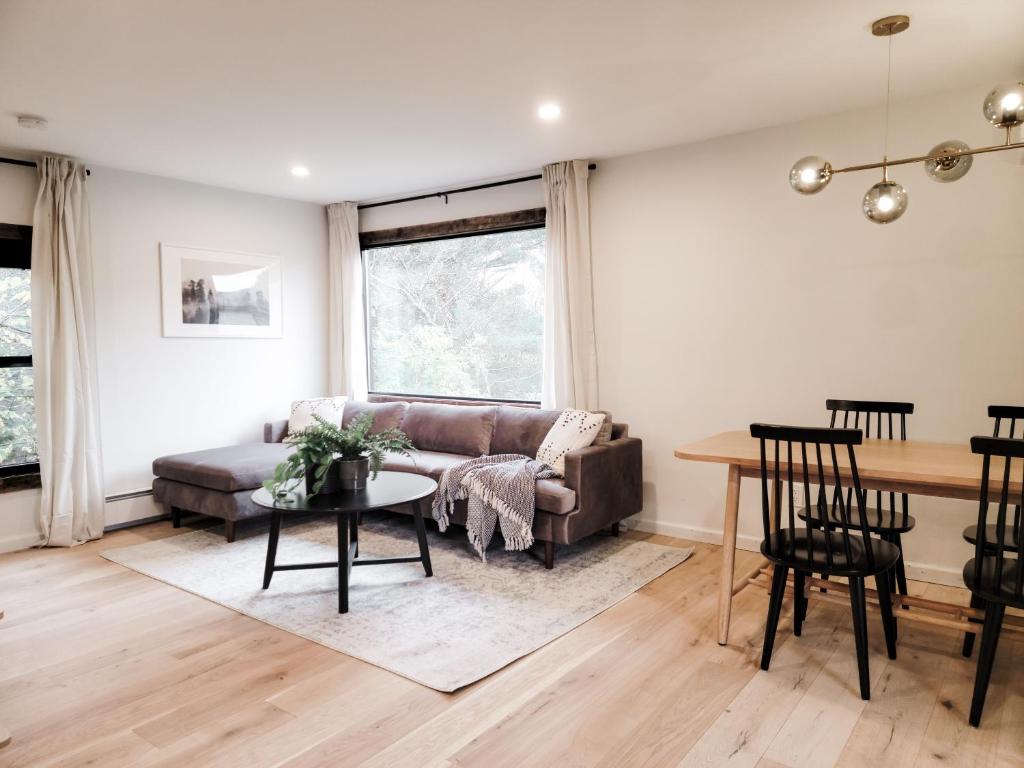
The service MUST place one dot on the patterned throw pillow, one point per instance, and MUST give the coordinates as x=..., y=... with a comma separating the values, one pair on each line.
x=301, y=417
x=573, y=430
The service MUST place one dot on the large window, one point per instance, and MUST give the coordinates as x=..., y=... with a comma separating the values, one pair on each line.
x=460, y=317
x=17, y=416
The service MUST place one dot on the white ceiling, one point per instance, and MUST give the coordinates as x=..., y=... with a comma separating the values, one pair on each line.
x=381, y=97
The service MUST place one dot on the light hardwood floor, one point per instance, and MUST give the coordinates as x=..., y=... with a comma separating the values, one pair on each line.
x=102, y=666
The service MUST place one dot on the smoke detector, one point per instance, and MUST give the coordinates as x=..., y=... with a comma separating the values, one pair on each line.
x=32, y=122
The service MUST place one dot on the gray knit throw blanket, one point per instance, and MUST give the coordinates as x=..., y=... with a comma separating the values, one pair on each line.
x=498, y=488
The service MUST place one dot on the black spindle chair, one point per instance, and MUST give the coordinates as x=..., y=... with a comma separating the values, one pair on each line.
x=840, y=546
x=995, y=575
x=1008, y=416
x=890, y=516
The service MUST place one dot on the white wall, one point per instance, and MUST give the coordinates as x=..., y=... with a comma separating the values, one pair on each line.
x=725, y=298
x=166, y=395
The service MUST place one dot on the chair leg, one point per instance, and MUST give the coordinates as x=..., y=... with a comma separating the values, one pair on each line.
x=885, y=604
x=901, y=570
x=976, y=602
x=858, y=603
x=616, y=529
x=780, y=572
x=176, y=517
x=229, y=531
x=799, y=602
x=824, y=591
x=986, y=657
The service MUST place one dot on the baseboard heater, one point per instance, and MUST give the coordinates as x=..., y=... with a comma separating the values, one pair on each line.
x=132, y=523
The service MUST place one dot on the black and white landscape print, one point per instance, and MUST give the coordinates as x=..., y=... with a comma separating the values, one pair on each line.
x=209, y=293
x=219, y=293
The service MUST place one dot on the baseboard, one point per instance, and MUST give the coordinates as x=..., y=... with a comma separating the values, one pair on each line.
x=929, y=572
x=19, y=541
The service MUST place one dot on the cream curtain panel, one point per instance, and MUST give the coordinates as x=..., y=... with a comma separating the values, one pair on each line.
x=346, y=333
x=570, y=349
x=64, y=357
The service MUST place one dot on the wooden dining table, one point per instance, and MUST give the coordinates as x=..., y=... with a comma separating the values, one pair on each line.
x=947, y=470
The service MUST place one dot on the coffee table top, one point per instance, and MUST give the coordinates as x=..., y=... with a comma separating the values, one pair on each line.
x=388, y=490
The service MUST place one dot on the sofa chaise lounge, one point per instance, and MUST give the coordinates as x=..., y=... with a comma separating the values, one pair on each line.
x=603, y=483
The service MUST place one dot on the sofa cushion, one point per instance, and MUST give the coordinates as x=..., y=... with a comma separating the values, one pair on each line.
x=552, y=496
x=521, y=430
x=385, y=415
x=464, y=429
x=430, y=463
x=232, y=468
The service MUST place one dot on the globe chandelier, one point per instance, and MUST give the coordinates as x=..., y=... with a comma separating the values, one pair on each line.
x=951, y=160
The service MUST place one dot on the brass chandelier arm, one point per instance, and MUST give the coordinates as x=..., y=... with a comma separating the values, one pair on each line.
x=925, y=158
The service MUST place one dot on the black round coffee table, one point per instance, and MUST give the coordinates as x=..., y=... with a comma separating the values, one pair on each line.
x=389, y=489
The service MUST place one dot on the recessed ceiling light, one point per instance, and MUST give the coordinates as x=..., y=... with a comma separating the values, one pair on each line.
x=300, y=170
x=549, y=111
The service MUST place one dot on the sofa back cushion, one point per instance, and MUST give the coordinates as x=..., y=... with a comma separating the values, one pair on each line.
x=385, y=415
x=521, y=430
x=464, y=429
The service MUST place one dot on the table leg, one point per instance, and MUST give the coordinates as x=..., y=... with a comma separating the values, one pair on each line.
x=421, y=534
x=354, y=530
x=344, y=563
x=732, y=507
x=275, y=532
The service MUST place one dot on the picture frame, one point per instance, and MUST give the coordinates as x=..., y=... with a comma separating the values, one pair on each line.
x=210, y=293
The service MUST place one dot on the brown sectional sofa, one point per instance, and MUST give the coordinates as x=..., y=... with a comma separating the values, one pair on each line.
x=603, y=483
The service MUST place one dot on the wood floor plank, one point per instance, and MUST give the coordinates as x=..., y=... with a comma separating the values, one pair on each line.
x=102, y=666
x=817, y=730
x=743, y=732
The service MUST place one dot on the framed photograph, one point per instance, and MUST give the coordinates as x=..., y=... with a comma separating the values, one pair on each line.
x=208, y=293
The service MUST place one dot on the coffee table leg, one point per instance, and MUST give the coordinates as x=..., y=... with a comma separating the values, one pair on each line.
x=275, y=532
x=344, y=564
x=354, y=531
x=421, y=534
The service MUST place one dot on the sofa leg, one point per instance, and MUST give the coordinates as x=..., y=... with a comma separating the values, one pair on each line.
x=176, y=517
x=229, y=531
x=616, y=528
x=549, y=554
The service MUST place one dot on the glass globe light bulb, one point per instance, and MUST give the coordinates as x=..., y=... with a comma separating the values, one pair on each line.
x=810, y=174
x=886, y=201
x=1004, y=106
x=947, y=165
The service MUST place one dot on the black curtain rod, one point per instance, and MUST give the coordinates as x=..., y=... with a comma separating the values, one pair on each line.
x=29, y=163
x=445, y=193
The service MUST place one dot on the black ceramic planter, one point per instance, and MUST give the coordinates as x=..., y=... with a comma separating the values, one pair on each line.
x=331, y=483
x=352, y=475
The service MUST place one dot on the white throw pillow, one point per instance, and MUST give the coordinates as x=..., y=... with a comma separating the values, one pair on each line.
x=328, y=408
x=573, y=430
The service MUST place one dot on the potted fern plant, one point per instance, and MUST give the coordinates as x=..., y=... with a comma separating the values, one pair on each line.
x=332, y=458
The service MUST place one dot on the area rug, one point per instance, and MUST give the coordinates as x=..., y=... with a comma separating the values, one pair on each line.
x=468, y=621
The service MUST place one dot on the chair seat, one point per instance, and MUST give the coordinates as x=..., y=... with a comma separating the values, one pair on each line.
x=795, y=551
x=991, y=536
x=991, y=589
x=882, y=522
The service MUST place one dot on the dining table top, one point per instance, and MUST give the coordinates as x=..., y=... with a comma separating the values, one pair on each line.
x=949, y=470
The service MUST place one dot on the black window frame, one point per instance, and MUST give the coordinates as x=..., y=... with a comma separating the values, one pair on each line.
x=516, y=221
x=16, y=253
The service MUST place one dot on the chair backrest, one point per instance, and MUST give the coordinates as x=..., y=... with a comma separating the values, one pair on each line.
x=857, y=411
x=883, y=411
x=1006, y=539
x=808, y=467
x=1004, y=413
